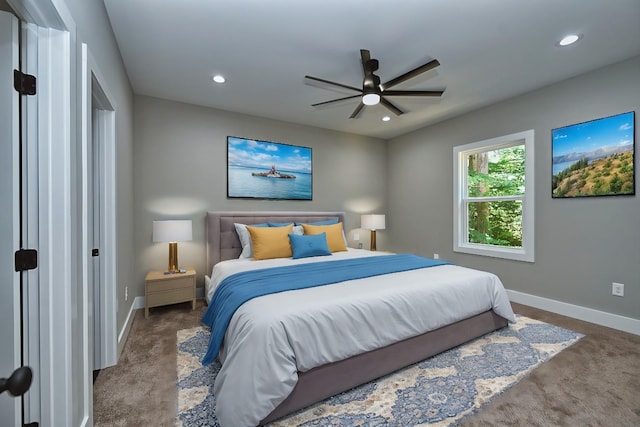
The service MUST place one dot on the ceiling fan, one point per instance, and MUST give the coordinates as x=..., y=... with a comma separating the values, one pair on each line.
x=373, y=92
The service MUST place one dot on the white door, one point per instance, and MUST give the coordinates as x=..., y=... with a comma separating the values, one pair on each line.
x=94, y=236
x=10, y=411
x=98, y=177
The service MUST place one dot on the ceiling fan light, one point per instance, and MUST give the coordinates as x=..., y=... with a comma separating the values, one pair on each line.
x=370, y=99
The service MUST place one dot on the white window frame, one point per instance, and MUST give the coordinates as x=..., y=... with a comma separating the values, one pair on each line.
x=460, y=199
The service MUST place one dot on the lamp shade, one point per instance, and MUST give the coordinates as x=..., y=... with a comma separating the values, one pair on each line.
x=373, y=222
x=172, y=230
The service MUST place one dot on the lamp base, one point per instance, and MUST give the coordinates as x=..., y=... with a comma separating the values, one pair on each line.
x=373, y=240
x=173, y=258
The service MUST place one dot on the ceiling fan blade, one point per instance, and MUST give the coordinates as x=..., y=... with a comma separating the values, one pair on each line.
x=356, y=111
x=390, y=106
x=365, y=55
x=413, y=92
x=336, y=100
x=333, y=83
x=411, y=74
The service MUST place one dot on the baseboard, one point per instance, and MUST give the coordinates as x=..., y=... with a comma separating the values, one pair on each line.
x=622, y=323
x=137, y=303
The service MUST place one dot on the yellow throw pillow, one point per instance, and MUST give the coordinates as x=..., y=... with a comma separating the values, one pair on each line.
x=270, y=242
x=335, y=237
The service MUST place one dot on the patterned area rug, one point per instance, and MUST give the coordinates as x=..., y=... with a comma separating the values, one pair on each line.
x=439, y=391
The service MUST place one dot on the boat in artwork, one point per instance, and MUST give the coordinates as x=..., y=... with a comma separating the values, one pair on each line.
x=273, y=174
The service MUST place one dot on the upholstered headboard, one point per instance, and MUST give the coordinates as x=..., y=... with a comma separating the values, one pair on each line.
x=223, y=242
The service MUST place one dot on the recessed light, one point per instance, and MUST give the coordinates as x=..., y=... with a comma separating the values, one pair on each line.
x=569, y=39
x=386, y=118
x=219, y=79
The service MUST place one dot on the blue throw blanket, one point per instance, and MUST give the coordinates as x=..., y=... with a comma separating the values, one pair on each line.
x=239, y=288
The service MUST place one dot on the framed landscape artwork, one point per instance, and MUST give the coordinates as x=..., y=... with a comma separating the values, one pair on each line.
x=268, y=170
x=594, y=158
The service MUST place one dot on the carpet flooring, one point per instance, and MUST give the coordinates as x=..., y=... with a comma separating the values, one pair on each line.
x=595, y=382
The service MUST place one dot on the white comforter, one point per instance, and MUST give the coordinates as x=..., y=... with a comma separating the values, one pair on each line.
x=272, y=337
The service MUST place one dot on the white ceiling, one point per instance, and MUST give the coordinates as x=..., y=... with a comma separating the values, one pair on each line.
x=489, y=50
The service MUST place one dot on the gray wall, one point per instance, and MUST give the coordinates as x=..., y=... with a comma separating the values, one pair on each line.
x=582, y=245
x=180, y=159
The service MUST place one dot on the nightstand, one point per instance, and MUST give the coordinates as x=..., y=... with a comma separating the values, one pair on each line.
x=164, y=289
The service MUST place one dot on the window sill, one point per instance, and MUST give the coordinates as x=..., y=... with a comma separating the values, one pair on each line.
x=497, y=252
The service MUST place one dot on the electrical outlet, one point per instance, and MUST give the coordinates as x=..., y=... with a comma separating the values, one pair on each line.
x=617, y=289
x=356, y=236
x=360, y=245
x=126, y=293
x=436, y=256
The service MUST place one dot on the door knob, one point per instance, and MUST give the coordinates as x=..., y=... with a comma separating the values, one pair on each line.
x=18, y=383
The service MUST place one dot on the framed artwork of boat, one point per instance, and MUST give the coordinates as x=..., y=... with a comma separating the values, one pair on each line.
x=259, y=169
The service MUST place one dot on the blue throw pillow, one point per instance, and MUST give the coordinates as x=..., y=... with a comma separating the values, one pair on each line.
x=325, y=222
x=309, y=245
x=279, y=224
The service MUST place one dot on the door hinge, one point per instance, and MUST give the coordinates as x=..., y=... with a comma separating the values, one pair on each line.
x=26, y=259
x=95, y=252
x=25, y=84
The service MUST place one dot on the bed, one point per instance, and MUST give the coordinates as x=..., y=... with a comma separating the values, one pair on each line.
x=316, y=376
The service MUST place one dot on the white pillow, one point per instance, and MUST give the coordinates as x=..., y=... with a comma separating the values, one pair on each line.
x=245, y=240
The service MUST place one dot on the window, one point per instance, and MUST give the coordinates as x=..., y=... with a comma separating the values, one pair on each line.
x=493, y=197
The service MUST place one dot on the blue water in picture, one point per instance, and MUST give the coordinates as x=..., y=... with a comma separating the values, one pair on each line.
x=242, y=184
x=559, y=167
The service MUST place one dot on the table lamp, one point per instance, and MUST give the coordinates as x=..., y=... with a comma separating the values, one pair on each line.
x=373, y=222
x=172, y=231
